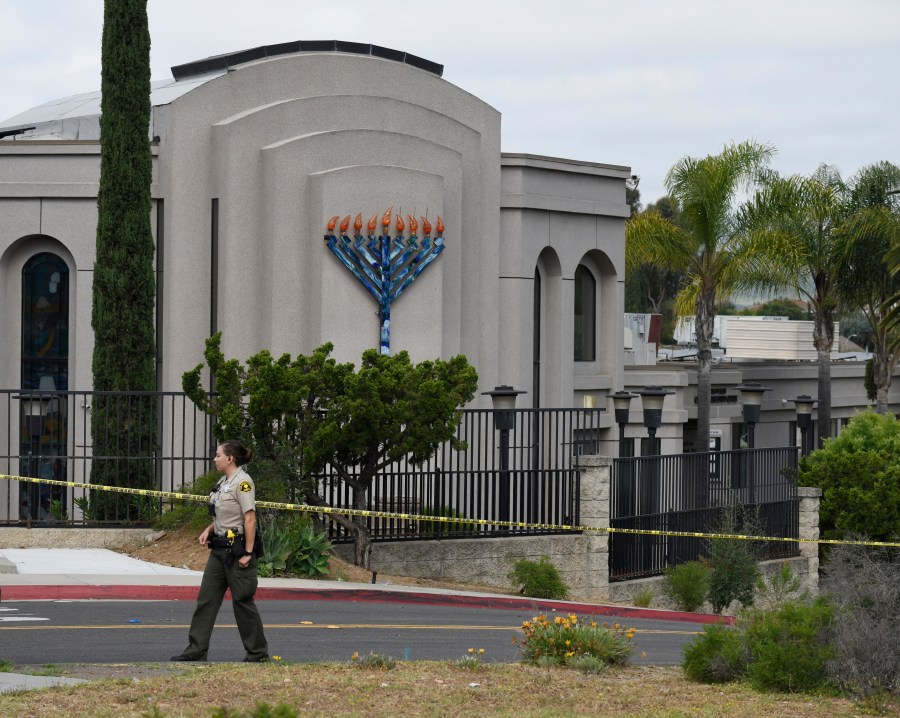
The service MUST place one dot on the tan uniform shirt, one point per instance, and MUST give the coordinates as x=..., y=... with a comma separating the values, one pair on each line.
x=233, y=498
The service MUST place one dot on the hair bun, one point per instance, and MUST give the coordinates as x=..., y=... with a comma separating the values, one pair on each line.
x=236, y=450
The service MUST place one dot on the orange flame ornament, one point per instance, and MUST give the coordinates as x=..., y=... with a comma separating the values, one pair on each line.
x=386, y=218
x=357, y=223
x=400, y=226
x=426, y=226
x=345, y=223
x=439, y=227
x=413, y=224
x=373, y=223
x=333, y=222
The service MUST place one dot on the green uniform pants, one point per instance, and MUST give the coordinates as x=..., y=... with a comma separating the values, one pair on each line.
x=217, y=577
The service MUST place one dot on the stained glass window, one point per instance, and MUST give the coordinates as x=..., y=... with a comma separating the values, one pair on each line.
x=45, y=360
x=45, y=323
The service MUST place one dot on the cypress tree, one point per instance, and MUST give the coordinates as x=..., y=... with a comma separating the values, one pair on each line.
x=124, y=281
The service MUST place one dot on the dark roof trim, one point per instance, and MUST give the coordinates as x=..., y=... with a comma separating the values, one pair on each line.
x=17, y=131
x=223, y=62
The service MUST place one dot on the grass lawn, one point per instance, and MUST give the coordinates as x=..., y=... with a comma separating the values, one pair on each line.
x=423, y=689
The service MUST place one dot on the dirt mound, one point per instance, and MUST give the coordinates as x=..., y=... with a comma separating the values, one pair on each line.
x=180, y=548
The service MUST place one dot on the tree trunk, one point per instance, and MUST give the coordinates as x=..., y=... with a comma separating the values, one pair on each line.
x=823, y=338
x=362, y=542
x=881, y=372
x=705, y=321
x=354, y=525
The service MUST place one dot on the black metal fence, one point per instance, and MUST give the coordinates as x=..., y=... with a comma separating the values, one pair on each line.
x=48, y=435
x=537, y=481
x=526, y=475
x=692, y=493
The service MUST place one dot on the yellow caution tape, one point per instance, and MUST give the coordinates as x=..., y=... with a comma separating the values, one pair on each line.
x=308, y=508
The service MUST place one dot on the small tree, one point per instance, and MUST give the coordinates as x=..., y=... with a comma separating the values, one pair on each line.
x=309, y=413
x=734, y=561
x=859, y=474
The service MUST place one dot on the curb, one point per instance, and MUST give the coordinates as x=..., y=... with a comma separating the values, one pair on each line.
x=189, y=593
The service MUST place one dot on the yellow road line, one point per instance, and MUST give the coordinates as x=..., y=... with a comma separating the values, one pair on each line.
x=326, y=626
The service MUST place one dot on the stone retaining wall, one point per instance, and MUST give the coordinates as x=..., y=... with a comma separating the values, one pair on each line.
x=15, y=537
x=582, y=560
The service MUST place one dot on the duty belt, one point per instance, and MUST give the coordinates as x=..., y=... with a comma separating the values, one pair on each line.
x=224, y=542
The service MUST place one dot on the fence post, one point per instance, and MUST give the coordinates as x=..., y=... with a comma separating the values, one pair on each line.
x=594, y=507
x=809, y=529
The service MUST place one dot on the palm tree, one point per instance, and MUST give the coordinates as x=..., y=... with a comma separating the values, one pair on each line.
x=798, y=217
x=868, y=234
x=891, y=308
x=710, y=245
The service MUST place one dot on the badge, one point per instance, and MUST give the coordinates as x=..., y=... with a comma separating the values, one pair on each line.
x=245, y=486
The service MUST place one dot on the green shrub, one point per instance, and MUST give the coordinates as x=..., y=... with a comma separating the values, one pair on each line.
x=194, y=514
x=449, y=512
x=643, y=598
x=791, y=647
x=717, y=655
x=277, y=542
x=294, y=546
x=310, y=553
x=686, y=585
x=539, y=579
x=859, y=474
x=566, y=640
x=733, y=562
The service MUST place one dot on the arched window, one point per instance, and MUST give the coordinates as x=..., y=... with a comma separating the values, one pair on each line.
x=585, y=314
x=536, y=342
x=45, y=323
x=45, y=368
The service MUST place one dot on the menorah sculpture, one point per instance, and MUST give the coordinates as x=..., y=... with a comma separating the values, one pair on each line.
x=385, y=265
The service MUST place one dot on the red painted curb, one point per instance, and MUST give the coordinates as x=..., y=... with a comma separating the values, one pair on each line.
x=189, y=593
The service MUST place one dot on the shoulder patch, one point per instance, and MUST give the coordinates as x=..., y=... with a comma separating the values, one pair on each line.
x=245, y=486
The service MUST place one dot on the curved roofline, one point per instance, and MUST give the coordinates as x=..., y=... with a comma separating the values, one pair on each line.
x=230, y=59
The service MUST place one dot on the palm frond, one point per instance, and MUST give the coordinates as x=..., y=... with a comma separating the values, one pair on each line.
x=651, y=239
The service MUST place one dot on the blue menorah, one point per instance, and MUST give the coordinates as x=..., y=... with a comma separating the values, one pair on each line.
x=385, y=265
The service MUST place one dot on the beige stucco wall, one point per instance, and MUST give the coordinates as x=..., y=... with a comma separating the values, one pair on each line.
x=286, y=143
x=558, y=214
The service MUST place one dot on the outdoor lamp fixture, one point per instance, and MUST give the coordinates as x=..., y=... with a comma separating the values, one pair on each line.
x=504, y=400
x=652, y=398
x=751, y=397
x=803, y=405
x=621, y=401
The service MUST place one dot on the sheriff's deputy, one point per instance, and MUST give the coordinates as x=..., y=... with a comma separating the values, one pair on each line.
x=231, y=563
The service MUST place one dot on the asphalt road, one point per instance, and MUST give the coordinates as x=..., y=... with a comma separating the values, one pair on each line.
x=92, y=631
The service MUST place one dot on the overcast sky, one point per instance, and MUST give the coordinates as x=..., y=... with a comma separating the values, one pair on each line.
x=639, y=83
